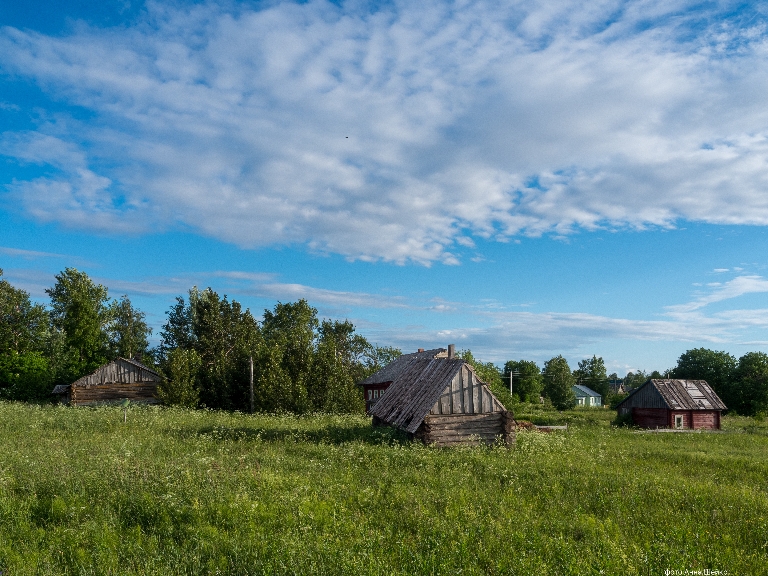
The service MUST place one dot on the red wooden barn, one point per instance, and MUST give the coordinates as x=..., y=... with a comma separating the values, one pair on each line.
x=673, y=404
x=375, y=384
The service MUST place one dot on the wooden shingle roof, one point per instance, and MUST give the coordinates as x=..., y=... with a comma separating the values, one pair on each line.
x=682, y=394
x=412, y=394
x=391, y=371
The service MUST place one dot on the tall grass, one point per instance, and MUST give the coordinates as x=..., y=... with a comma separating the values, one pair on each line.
x=201, y=492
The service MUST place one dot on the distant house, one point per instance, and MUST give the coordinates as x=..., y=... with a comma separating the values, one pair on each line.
x=119, y=380
x=586, y=396
x=673, y=404
x=375, y=384
x=441, y=401
x=617, y=387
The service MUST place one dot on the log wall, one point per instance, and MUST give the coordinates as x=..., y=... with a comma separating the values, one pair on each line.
x=139, y=392
x=467, y=429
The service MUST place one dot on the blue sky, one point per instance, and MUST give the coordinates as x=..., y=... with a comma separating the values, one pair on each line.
x=522, y=179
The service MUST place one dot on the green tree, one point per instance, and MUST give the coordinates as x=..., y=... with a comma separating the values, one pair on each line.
x=635, y=379
x=128, y=330
x=24, y=326
x=717, y=368
x=290, y=331
x=558, y=383
x=749, y=394
x=180, y=388
x=527, y=382
x=80, y=312
x=337, y=366
x=592, y=374
x=225, y=336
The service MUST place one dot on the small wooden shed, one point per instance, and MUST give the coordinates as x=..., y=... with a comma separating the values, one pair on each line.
x=673, y=404
x=374, y=386
x=442, y=401
x=119, y=380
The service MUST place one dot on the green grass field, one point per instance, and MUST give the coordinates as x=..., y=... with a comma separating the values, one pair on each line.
x=196, y=492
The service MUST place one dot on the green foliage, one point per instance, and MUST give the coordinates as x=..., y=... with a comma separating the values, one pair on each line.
x=25, y=377
x=592, y=374
x=23, y=325
x=180, y=388
x=635, y=379
x=128, y=331
x=177, y=491
x=558, y=383
x=749, y=392
x=79, y=311
x=527, y=381
x=336, y=368
x=717, y=368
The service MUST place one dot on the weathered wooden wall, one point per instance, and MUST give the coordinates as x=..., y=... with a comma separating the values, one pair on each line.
x=140, y=392
x=467, y=429
x=466, y=395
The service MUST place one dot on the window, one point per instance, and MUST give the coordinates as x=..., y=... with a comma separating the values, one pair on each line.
x=370, y=394
x=375, y=394
x=678, y=421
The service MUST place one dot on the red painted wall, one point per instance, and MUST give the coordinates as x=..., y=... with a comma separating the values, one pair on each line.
x=663, y=418
x=651, y=417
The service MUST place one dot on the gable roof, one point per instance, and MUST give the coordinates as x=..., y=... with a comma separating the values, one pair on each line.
x=586, y=391
x=119, y=370
x=391, y=371
x=416, y=391
x=411, y=396
x=682, y=394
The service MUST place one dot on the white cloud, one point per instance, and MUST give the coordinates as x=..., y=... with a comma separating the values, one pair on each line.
x=402, y=133
x=739, y=286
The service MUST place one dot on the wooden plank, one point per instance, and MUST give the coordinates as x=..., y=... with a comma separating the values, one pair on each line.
x=455, y=418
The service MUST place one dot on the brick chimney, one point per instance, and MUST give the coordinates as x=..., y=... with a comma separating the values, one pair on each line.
x=451, y=351
x=420, y=350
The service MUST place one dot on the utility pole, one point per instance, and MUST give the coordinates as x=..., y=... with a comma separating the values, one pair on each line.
x=251, y=363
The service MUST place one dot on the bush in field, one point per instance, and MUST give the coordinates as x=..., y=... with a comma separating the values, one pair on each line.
x=180, y=388
x=25, y=377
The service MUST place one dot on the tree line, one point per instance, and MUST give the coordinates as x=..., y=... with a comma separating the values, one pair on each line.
x=300, y=363
x=208, y=344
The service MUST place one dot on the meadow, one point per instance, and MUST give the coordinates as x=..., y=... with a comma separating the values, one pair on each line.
x=175, y=491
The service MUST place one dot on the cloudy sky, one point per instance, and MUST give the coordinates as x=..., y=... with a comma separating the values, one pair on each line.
x=522, y=179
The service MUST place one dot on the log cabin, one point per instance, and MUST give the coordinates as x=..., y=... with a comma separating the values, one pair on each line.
x=441, y=401
x=121, y=379
x=681, y=404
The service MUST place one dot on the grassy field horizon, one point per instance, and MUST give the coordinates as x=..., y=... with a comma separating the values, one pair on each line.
x=202, y=492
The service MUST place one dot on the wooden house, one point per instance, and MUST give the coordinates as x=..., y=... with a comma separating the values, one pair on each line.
x=375, y=385
x=586, y=396
x=119, y=380
x=441, y=401
x=673, y=404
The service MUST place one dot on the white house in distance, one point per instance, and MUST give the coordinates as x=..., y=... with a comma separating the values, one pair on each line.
x=586, y=396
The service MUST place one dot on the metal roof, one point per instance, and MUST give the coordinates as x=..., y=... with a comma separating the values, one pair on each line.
x=683, y=394
x=587, y=391
x=391, y=371
x=412, y=394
